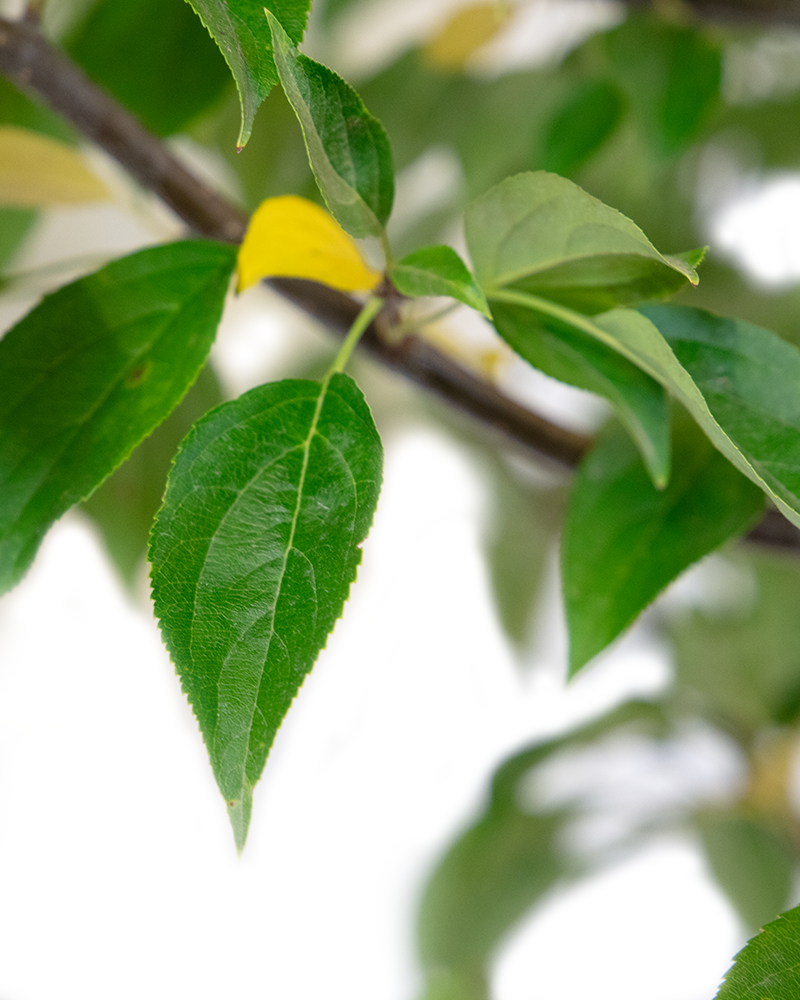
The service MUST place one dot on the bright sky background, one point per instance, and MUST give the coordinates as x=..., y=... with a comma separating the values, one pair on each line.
x=118, y=875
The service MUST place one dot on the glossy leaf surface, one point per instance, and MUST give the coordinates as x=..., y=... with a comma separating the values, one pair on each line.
x=438, y=270
x=291, y=237
x=90, y=372
x=253, y=555
x=624, y=541
x=154, y=56
x=348, y=149
x=240, y=29
x=541, y=233
x=769, y=964
x=571, y=356
x=37, y=171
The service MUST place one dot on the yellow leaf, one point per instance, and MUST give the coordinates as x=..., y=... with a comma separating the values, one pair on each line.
x=291, y=237
x=36, y=170
x=466, y=31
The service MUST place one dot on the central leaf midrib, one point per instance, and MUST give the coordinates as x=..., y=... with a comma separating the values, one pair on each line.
x=306, y=447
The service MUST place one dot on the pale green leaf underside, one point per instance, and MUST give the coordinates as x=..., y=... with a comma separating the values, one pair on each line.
x=768, y=967
x=347, y=148
x=253, y=555
x=438, y=270
x=624, y=541
x=90, y=372
x=240, y=30
x=541, y=233
x=574, y=357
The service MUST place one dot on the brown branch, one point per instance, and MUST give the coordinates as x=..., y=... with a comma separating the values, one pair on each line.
x=35, y=66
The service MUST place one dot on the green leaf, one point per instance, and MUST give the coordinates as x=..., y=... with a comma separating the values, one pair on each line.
x=90, y=372
x=439, y=271
x=154, y=56
x=540, y=233
x=752, y=863
x=572, y=356
x=671, y=75
x=242, y=33
x=124, y=506
x=768, y=967
x=739, y=382
x=744, y=392
x=581, y=125
x=348, y=149
x=624, y=541
x=253, y=555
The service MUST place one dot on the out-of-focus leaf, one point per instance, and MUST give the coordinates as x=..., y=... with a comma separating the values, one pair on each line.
x=542, y=234
x=671, y=76
x=124, y=506
x=463, y=34
x=438, y=271
x=14, y=225
x=253, y=554
x=17, y=109
x=502, y=865
x=242, y=33
x=571, y=356
x=347, y=147
x=769, y=964
x=624, y=541
x=753, y=865
x=90, y=372
x=291, y=237
x=581, y=125
x=522, y=524
x=154, y=56
x=745, y=662
x=37, y=171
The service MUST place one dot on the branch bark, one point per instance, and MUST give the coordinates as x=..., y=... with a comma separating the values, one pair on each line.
x=35, y=66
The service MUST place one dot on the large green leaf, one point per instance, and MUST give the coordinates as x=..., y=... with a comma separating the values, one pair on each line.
x=741, y=383
x=152, y=55
x=348, y=149
x=572, y=356
x=541, y=233
x=124, y=506
x=253, y=555
x=744, y=391
x=624, y=540
x=90, y=372
x=753, y=864
x=242, y=33
x=438, y=270
x=768, y=967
